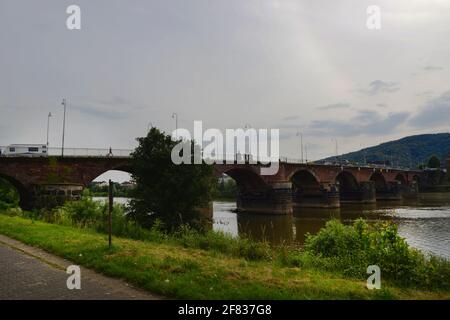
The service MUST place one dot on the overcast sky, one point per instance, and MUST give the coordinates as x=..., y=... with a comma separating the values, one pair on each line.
x=308, y=65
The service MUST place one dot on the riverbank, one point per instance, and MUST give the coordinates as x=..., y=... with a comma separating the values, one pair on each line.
x=180, y=271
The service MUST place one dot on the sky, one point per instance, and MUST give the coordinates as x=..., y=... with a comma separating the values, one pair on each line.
x=300, y=66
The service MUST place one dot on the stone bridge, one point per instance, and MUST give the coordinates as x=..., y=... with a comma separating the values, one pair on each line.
x=39, y=179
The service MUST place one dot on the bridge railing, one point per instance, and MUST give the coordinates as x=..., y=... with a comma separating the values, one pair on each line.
x=90, y=152
x=75, y=152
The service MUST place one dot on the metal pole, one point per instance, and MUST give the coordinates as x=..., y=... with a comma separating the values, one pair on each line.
x=175, y=116
x=301, y=144
x=306, y=152
x=48, y=126
x=336, y=148
x=299, y=134
x=64, y=127
x=337, y=152
x=110, y=193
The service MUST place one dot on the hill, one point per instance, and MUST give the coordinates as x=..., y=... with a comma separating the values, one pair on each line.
x=410, y=151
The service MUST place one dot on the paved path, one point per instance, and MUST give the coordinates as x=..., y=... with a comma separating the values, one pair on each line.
x=30, y=273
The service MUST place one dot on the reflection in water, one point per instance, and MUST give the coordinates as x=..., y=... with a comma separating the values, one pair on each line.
x=423, y=222
x=277, y=229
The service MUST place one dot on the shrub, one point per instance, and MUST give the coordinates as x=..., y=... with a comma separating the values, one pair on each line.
x=352, y=248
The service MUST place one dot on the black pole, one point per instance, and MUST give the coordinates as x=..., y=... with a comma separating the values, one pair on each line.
x=110, y=193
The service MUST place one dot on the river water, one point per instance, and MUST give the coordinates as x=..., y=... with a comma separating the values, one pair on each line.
x=424, y=223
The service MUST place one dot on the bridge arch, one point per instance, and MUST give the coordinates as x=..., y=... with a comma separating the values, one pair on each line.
x=305, y=181
x=306, y=188
x=105, y=170
x=401, y=178
x=25, y=196
x=379, y=181
x=247, y=180
x=348, y=186
x=416, y=178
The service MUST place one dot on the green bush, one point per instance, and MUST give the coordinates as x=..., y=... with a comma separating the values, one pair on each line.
x=351, y=249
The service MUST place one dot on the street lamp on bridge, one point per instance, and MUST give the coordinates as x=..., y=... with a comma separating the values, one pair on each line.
x=64, y=126
x=48, y=126
x=299, y=134
x=175, y=116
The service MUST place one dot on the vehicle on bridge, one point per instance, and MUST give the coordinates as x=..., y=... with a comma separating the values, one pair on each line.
x=30, y=150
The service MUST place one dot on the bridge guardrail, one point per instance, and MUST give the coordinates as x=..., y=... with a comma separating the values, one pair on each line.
x=90, y=152
x=77, y=152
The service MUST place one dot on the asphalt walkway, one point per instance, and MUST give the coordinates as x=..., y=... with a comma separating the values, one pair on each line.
x=33, y=274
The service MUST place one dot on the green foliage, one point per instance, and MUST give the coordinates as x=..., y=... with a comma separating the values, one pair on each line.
x=225, y=189
x=9, y=197
x=165, y=191
x=119, y=190
x=434, y=162
x=352, y=248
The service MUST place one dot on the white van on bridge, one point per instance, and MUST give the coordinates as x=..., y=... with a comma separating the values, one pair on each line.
x=29, y=150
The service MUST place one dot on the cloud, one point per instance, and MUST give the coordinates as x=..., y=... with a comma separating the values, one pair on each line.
x=427, y=93
x=290, y=118
x=379, y=86
x=365, y=122
x=112, y=109
x=433, y=68
x=334, y=106
x=434, y=112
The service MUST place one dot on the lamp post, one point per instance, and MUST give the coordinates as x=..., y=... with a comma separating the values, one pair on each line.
x=64, y=126
x=247, y=151
x=306, y=153
x=336, y=148
x=175, y=116
x=299, y=134
x=48, y=126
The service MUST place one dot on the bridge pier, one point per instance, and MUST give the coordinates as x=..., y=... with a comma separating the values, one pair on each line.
x=410, y=191
x=326, y=196
x=397, y=192
x=391, y=192
x=365, y=193
x=276, y=200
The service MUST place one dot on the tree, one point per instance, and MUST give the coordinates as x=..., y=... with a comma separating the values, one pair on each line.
x=165, y=191
x=434, y=162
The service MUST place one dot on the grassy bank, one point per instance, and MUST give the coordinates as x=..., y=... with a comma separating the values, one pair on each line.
x=203, y=267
